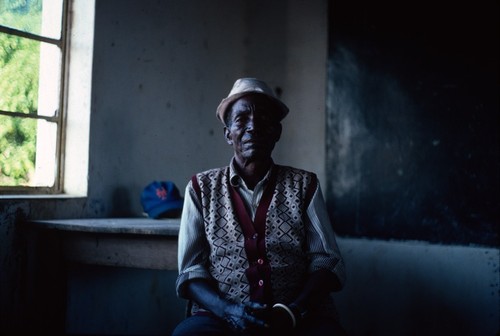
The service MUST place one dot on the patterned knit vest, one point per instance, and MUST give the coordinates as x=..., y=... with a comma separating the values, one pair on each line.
x=261, y=260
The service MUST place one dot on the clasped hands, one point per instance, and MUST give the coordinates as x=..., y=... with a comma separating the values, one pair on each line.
x=252, y=314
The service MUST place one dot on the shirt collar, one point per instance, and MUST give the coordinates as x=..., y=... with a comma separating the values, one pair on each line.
x=237, y=181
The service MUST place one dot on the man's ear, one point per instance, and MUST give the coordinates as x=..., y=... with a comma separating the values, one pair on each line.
x=227, y=136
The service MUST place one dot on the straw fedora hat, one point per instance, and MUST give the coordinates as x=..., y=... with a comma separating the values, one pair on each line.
x=245, y=86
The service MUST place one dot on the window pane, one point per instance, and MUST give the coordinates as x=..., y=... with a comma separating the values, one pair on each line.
x=52, y=18
x=46, y=159
x=27, y=152
x=19, y=66
x=30, y=75
x=41, y=17
x=17, y=150
x=49, y=79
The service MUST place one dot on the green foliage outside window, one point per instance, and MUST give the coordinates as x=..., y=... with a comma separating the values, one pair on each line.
x=19, y=68
x=17, y=147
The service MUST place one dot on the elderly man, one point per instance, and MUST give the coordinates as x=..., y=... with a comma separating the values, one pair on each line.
x=257, y=252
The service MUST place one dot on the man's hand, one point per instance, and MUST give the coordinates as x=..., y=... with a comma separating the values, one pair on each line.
x=244, y=316
x=239, y=316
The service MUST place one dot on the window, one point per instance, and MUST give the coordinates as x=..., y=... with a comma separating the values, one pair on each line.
x=45, y=56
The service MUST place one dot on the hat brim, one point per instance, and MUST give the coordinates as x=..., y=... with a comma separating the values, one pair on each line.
x=281, y=111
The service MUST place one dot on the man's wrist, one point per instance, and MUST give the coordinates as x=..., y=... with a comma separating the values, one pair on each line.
x=287, y=311
x=293, y=313
x=298, y=311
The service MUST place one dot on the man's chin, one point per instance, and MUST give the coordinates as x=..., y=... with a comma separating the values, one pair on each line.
x=256, y=155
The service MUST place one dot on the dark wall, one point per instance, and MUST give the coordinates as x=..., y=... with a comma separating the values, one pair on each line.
x=413, y=120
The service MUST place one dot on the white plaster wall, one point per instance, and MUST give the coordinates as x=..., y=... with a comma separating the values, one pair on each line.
x=162, y=67
x=287, y=45
x=417, y=288
x=306, y=77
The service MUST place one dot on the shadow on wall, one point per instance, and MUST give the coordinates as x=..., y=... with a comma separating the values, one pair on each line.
x=412, y=121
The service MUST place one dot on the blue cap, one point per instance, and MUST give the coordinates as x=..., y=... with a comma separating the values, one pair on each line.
x=161, y=199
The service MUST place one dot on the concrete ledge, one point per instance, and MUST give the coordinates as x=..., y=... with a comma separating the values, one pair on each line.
x=148, y=226
x=123, y=242
x=149, y=252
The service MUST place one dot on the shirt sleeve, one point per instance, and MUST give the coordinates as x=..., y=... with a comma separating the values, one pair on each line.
x=192, y=251
x=322, y=245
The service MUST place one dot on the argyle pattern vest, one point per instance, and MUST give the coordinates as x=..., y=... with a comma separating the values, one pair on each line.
x=260, y=260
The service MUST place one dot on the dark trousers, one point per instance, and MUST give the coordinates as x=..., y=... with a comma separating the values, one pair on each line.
x=209, y=325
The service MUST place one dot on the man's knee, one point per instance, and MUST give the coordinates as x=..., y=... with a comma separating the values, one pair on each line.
x=199, y=326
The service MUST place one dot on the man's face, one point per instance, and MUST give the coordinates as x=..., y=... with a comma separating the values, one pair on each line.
x=252, y=128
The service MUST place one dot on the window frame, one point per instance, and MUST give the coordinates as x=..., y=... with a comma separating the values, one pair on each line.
x=77, y=38
x=58, y=117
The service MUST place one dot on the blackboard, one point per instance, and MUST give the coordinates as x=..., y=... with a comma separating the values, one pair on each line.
x=413, y=121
